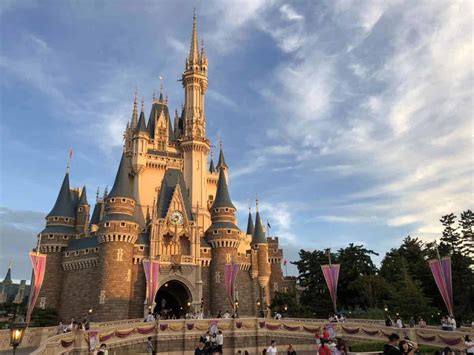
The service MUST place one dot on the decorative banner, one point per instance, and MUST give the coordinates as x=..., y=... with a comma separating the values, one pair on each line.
x=441, y=270
x=145, y=330
x=38, y=261
x=426, y=337
x=91, y=338
x=273, y=326
x=350, y=330
x=370, y=332
x=331, y=275
x=385, y=333
x=311, y=329
x=189, y=326
x=175, y=327
x=450, y=341
x=230, y=275
x=291, y=328
x=152, y=270
x=261, y=324
x=106, y=336
x=124, y=333
x=163, y=327
x=238, y=324
x=65, y=343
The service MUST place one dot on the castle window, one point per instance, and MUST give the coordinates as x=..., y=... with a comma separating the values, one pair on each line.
x=215, y=231
x=216, y=210
x=205, y=250
x=112, y=200
x=107, y=224
x=141, y=248
x=122, y=224
x=226, y=209
x=123, y=200
x=76, y=253
x=228, y=231
x=66, y=219
x=67, y=253
x=86, y=251
x=50, y=236
x=65, y=237
x=96, y=250
x=80, y=209
x=56, y=218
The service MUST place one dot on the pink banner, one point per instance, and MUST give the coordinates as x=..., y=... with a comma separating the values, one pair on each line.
x=38, y=261
x=441, y=270
x=152, y=270
x=230, y=275
x=331, y=275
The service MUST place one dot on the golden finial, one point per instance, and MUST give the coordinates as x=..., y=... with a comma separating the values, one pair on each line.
x=143, y=104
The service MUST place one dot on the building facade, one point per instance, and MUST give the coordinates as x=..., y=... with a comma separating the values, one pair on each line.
x=170, y=203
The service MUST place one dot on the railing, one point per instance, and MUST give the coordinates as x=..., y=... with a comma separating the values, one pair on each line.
x=176, y=259
x=133, y=331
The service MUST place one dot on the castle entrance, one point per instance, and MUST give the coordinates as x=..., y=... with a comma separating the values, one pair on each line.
x=172, y=300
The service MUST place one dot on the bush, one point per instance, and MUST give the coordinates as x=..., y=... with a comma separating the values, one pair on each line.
x=44, y=317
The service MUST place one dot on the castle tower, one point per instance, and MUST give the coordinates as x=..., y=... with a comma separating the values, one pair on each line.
x=82, y=213
x=260, y=244
x=194, y=142
x=221, y=164
x=141, y=138
x=117, y=234
x=224, y=237
x=60, y=229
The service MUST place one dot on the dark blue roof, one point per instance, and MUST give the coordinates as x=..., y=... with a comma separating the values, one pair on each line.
x=221, y=162
x=250, y=225
x=143, y=238
x=258, y=236
x=117, y=217
x=95, y=219
x=222, y=195
x=172, y=178
x=141, y=126
x=156, y=110
x=83, y=243
x=205, y=243
x=8, y=276
x=64, y=206
x=54, y=229
x=223, y=225
x=123, y=185
x=83, y=199
x=211, y=166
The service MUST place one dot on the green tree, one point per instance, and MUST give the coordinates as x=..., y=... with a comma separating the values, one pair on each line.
x=466, y=223
x=289, y=300
x=450, y=234
x=373, y=290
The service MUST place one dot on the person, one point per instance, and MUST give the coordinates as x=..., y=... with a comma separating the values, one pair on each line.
x=60, y=328
x=391, y=348
x=200, y=349
x=219, y=342
x=86, y=323
x=150, y=349
x=469, y=344
x=150, y=317
x=326, y=334
x=290, y=350
x=407, y=347
x=399, y=322
x=226, y=315
x=341, y=347
x=272, y=349
x=102, y=350
x=219, y=314
x=317, y=340
x=388, y=322
x=447, y=351
x=453, y=323
x=422, y=323
x=324, y=349
x=411, y=322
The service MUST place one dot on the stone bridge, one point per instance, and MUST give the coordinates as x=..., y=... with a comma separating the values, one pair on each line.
x=251, y=334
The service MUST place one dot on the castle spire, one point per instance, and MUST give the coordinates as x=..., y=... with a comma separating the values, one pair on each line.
x=250, y=225
x=221, y=162
x=194, y=48
x=258, y=236
x=123, y=184
x=8, y=276
x=64, y=206
x=83, y=199
x=135, y=111
x=222, y=193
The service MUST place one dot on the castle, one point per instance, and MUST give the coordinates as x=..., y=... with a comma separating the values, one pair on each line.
x=167, y=203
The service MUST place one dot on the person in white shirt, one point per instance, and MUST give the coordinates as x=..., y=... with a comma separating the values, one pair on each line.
x=453, y=323
x=272, y=349
x=220, y=342
x=226, y=315
x=150, y=317
x=469, y=344
x=399, y=322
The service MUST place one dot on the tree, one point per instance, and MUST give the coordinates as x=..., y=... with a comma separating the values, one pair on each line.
x=283, y=300
x=467, y=235
x=450, y=234
x=373, y=290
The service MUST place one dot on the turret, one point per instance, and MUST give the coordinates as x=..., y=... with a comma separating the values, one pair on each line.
x=82, y=213
x=221, y=164
x=141, y=138
x=8, y=276
x=224, y=237
x=118, y=231
x=54, y=238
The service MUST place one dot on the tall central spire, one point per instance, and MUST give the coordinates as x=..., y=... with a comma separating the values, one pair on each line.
x=194, y=48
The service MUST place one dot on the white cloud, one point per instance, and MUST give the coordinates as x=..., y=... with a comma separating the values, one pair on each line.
x=290, y=14
x=221, y=98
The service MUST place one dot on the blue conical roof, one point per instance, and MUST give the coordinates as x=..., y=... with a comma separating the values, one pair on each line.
x=250, y=225
x=212, y=169
x=221, y=162
x=64, y=206
x=258, y=236
x=123, y=182
x=83, y=199
x=222, y=195
x=141, y=126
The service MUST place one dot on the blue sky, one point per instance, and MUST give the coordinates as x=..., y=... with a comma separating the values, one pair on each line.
x=351, y=119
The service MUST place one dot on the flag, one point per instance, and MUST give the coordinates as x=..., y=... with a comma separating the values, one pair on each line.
x=268, y=224
x=441, y=270
x=152, y=270
x=285, y=262
x=70, y=153
x=230, y=275
x=38, y=261
x=331, y=275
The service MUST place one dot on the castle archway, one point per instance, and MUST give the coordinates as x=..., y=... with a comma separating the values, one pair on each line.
x=173, y=299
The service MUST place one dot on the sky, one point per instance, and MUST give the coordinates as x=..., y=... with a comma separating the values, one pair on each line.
x=351, y=119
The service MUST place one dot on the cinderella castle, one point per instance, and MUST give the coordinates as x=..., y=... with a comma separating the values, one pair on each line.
x=168, y=203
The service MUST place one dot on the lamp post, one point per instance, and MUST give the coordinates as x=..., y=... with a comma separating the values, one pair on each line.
x=17, y=331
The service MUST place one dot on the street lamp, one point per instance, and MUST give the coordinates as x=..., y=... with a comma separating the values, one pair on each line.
x=90, y=311
x=17, y=331
x=285, y=308
x=385, y=309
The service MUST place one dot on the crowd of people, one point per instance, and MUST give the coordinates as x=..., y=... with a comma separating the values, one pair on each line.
x=73, y=325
